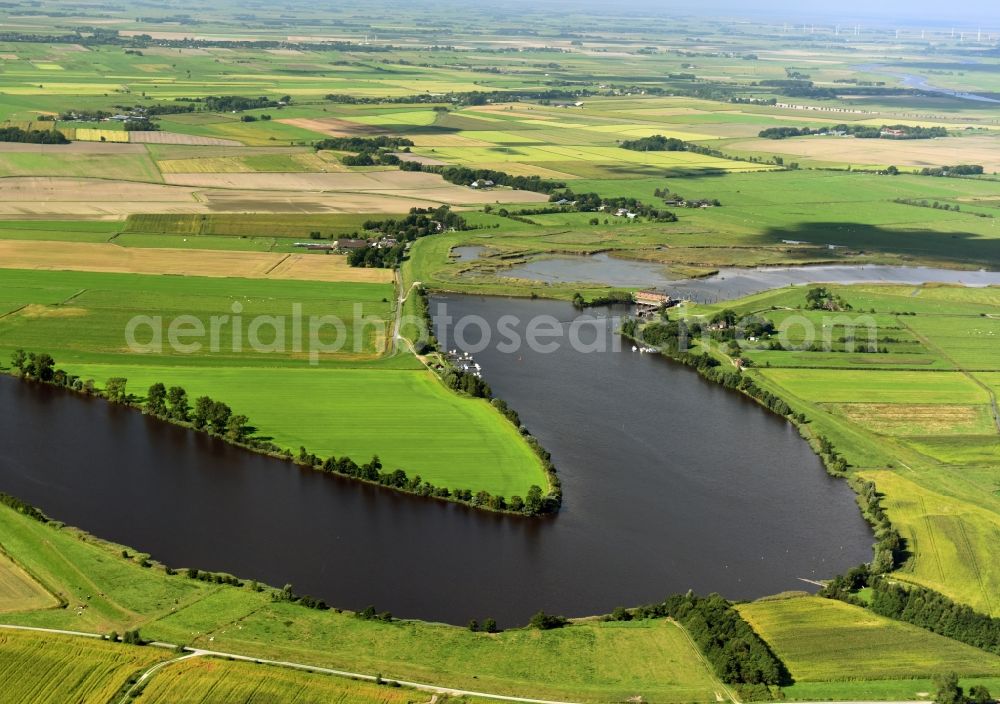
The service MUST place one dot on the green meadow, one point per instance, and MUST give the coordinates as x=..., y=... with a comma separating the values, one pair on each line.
x=918, y=417
x=587, y=661
x=824, y=640
x=926, y=435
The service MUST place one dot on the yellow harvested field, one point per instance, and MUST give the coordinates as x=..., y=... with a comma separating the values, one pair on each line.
x=86, y=256
x=156, y=137
x=515, y=169
x=210, y=165
x=87, y=134
x=53, y=197
x=18, y=591
x=116, y=148
x=983, y=150
x=914, y=419
x=350, y=181
x=401, y=184
x=447, y=140
x=333, y=126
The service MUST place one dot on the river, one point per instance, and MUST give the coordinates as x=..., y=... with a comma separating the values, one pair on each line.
x=671, y=483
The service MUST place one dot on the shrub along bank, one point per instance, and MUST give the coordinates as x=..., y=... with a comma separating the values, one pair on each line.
x=217, y=419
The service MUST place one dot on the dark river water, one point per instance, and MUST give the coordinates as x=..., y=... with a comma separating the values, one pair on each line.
x=670, y=482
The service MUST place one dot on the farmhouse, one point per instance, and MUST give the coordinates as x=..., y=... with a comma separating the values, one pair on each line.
x=316, y=245
x=349, y=245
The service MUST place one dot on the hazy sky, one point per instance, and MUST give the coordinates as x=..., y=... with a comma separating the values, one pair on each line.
x=959, y=12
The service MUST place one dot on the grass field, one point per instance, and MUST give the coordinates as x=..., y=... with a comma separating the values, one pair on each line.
x=452, y=441
x=109, y=257
x=928, y=439
x=584, y=662
x=212, y=202
x=38, y=669
x=82, y=318
x=822, y=640
x=18, y=591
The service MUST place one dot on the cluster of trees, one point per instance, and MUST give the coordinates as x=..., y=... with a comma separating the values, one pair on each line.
x=23, y=508
x=821, y=298
x=593, y=202
x=738, y=655
x=239, y=103
x=458, y=380
x=462, y=98
x=656, y=143
x=935, y=612
x=464, y=176
x=859, y=131
x=799, y=88
x=370, y=614
x=678, y=199
x=948, y=691
x=613, y=298
x=288, y=595
x=370, y=151
x=16, y=134
x=918, y=606
x=547, y=622
x=659, y=143
x=207, y=414
x=488, y=625
x=213, y=577
x=362, y=144
x=936, y=205
x=532, y=504
x=419, y=223
x=132, y=637
x=957, y=170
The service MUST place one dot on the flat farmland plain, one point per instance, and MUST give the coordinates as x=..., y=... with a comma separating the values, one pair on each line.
x=455, y=441
x=107, y=257
x=883, y=152
x=929, y=440
x=216, y=681
x=825, y=639
x=19, y=591
x=38, y=669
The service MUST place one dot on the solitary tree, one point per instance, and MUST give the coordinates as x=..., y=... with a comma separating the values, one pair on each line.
x=180, y=409
x=19, y=361
x=947, y=689
x=156, y=400
x=202, y=411
x=114, y=389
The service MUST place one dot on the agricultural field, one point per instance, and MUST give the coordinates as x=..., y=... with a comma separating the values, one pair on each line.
x=587, y=661
x=824, y=640
x=198, y=214
x=40, y=669
x=215, y=681
x=928, y=439
x=110, y=257
x=18, y=591
x=264, y=372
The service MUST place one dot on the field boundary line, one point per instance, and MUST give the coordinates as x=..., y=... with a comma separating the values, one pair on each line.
x=136, y=689
x=278, y=263
x=705, y=662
